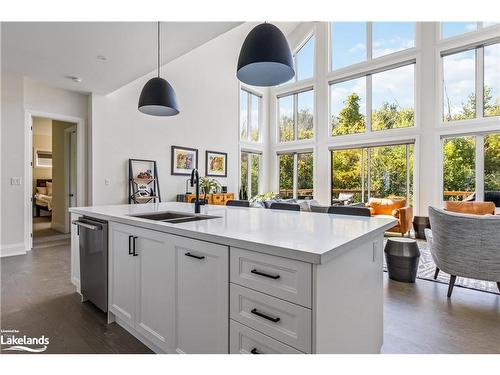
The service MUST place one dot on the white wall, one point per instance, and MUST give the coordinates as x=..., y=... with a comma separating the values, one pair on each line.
x=12, y=154
x=18, y=95
x=208, y=93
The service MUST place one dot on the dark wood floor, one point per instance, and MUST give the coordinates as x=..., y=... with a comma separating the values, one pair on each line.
x=38, y=299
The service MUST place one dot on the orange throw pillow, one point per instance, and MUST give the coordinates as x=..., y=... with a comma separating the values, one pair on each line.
x=471, y=208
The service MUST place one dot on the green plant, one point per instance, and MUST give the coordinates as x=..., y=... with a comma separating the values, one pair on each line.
x=209, y=185
x=265, y=197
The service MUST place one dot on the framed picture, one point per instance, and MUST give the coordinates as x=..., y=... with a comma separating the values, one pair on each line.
x=216, y=164
x=183, y=160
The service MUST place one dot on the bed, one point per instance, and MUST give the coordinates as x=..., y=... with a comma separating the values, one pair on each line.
x=42, y=198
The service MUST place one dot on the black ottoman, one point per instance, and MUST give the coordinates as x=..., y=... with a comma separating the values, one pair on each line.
x=402, y=256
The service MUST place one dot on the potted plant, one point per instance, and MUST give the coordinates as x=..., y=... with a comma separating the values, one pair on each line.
x=209, y=185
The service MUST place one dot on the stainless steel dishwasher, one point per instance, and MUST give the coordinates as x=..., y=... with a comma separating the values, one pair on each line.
x=93, y=238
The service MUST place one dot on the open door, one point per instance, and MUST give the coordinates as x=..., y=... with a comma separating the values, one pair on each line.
x=71, y=171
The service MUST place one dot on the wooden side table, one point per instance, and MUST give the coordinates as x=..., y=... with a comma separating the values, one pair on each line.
x=219, y=199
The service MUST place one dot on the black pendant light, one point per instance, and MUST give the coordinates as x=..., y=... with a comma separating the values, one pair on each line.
x=265, y=57
x=158, y=96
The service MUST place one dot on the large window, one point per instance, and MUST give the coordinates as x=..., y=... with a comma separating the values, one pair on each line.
x=250, y=174
x=471, y=165
x=296, y=175
x=461, y=88
x=449, y=29
x=304, y=60
x=250, y=117
x=392, y=101
x=459, y=168
x=296, y=116
x=348, y=106
x=379, y=172
x=390, y=37
x=452, y=29
x=349, y=41
x=491, y=92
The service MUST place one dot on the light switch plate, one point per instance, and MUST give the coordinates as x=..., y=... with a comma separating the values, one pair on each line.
x=15, y=180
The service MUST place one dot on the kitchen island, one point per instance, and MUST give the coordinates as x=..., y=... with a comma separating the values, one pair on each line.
x=242, y=280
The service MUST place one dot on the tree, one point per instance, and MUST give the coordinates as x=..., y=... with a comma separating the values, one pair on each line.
x=350, y=120
x=392, y=116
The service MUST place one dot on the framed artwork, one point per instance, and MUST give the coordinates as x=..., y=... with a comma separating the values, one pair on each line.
x=183, y=160
x=216, y=164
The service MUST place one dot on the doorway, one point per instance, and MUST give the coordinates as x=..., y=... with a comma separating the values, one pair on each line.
x=54, y=178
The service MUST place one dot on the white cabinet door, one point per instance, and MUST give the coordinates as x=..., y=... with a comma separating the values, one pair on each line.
x=122, y=274
x=155, y=287
x=202, y=296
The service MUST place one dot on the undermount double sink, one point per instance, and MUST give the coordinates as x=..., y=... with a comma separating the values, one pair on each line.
x=174, y=217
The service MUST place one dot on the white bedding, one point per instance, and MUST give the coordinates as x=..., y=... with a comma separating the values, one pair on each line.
x=44, y=200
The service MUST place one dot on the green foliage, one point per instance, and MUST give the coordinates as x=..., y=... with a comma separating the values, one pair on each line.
x=305, y=129
x=286, y=174
x=392, y=116
x=209, y=185
x=492, y=162
x=350, y=120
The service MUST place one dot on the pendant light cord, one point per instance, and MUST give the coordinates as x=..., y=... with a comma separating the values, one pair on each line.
x=158, y=49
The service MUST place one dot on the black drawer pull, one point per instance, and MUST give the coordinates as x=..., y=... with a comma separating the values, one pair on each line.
x=195, y=256
x=255, y=351
x=130, y=245
x=275, y=277
x=134, y=253
x=262, y=315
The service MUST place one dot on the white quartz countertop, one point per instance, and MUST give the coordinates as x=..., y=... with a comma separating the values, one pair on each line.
x=306, y=236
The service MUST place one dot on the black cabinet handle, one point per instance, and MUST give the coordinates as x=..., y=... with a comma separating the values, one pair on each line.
x=262, y=315
x=134, y=253
x=275, y=277
x=195, y=256
x=255, y=351
x=130, y=245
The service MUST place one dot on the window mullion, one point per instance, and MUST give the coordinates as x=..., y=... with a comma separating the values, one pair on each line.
x=368, y=175
x=295, y=175
x=249, y=115
x=368, y=105
x=295, y=116
x=479, y=177
x=408, y=174
x=362, y=175
x=369, y=40
x=479, y=82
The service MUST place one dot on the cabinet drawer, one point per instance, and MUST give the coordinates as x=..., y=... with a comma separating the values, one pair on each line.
x=245, y=340
x=284, y=321
x=281, y=277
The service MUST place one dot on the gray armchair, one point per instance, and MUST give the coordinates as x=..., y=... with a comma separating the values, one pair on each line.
x=465, y=245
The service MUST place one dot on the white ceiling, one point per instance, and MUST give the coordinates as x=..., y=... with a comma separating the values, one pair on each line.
x=50, y=51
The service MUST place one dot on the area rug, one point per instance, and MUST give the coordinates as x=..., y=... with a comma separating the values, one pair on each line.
x=426, y=269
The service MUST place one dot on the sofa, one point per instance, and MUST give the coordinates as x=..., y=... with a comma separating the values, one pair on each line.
x=465, y=245
x=393, y=207
x=470, y=207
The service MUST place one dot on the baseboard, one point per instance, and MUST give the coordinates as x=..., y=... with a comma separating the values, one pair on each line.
x=58, y=227
x=12, y=250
